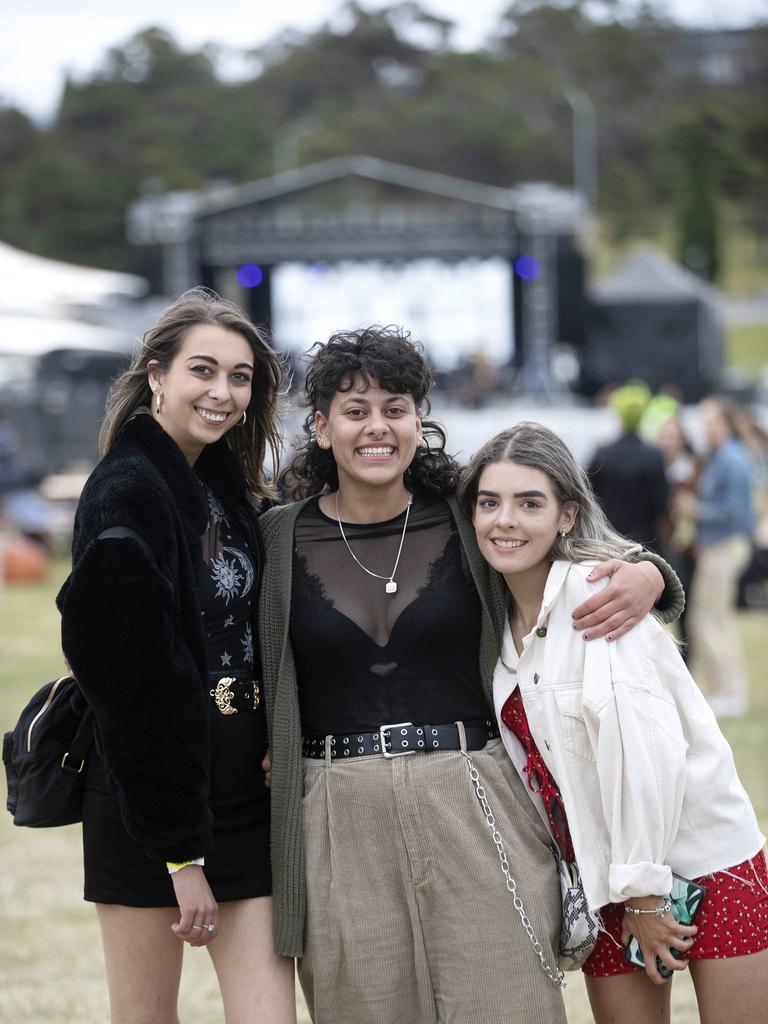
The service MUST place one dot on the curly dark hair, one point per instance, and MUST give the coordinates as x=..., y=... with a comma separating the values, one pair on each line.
x=376, y=355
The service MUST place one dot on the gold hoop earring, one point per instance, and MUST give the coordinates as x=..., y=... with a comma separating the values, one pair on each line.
x=242, y=421
x=158, y=402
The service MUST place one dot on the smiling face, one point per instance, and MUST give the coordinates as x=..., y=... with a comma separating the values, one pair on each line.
x=517, y=517
x=372, y=433
x=206, y=388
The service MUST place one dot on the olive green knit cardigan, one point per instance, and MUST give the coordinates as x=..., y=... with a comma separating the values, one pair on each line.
x=281, y=693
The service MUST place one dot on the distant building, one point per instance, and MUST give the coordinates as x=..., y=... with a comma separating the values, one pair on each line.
x=719, y=56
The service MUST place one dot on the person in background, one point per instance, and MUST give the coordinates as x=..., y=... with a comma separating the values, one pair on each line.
x=10, y=444
x=681, y=465
x=618, y=749
x=159, y=627
x=10, y=454
x=725, y=521
x=628, y=475
x=752, y=586
x=665, y=403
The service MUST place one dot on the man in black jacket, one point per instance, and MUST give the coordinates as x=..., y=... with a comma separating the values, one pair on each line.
x=628, y=476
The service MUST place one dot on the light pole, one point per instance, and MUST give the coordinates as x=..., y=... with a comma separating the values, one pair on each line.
x=584, y=143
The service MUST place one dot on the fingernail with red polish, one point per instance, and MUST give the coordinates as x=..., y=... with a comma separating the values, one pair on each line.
x=609, y=637
x=586, y=636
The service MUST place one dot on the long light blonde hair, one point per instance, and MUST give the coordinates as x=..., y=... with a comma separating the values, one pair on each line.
x=532, y=444
x=162, y=342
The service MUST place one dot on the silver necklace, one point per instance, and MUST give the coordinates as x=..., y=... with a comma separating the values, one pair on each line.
x=391, y=587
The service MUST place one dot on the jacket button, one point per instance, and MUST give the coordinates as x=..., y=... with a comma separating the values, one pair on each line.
x=535, y=678
x=541, y=631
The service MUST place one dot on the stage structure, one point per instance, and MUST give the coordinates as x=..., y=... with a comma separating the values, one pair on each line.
x=363, y=208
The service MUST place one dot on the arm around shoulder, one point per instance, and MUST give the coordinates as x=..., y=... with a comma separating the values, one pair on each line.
x=672, y=601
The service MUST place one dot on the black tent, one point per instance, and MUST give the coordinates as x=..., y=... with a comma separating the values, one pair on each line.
x=654, y=320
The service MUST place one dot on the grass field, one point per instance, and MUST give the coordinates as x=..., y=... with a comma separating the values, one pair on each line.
x=747, y=348
x=51, y=967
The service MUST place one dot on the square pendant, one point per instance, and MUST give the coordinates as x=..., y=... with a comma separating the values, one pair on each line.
x=391, y=587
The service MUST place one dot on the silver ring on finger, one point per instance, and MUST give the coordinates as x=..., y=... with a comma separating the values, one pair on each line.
x=199, y=927
x=209, y=927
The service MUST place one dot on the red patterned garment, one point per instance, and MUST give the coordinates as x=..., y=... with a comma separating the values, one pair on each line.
x=539, y=778
x=733, y=921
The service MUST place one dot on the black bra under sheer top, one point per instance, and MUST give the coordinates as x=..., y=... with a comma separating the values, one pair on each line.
x=365, y=657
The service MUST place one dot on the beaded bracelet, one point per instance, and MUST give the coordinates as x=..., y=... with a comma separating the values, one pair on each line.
x=665, y=907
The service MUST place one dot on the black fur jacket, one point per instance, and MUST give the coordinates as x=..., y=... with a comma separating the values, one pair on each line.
x=132, y=628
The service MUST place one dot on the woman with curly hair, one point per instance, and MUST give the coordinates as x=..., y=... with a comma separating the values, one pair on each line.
x=380, y=626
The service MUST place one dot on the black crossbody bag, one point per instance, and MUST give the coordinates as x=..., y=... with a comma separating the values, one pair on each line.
x=45, y=754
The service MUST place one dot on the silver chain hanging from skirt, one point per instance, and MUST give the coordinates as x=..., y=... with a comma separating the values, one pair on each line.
x=553, y=973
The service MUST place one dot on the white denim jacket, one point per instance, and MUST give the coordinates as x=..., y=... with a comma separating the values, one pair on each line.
x=647, y=778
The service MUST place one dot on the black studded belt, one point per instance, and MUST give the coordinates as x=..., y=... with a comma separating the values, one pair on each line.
x=400, y=738
x=231, y=695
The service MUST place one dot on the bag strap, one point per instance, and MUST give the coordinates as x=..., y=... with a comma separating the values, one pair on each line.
x=81, y=742
x=121, y=532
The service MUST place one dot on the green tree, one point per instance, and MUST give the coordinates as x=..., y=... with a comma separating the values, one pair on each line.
x=388, y=83
x=697, y=214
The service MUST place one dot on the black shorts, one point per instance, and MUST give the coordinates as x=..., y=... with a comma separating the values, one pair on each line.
x=116, y=868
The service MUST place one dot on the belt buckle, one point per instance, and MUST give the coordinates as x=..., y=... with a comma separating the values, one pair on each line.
x=383, y=729
x=223, y=695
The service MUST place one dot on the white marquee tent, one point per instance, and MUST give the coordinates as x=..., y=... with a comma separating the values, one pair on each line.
x=35, y=335
x=35, y=284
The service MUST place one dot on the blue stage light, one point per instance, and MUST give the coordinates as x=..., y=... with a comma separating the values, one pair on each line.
x=250, y=275
x=527, y=267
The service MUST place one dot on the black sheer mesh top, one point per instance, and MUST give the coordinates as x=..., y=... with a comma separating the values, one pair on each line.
x=227, y=592
x=365, y=657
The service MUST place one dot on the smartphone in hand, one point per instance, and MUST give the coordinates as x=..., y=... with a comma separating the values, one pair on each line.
x=686, y=898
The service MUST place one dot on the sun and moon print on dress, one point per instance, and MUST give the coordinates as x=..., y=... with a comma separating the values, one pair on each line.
x=231, y=577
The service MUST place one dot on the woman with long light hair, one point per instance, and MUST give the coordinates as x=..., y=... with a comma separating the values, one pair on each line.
x=619, y=750
x=159, y=627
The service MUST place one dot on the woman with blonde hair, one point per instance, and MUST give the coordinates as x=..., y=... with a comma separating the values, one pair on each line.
x=618, y=749
x=158, y=625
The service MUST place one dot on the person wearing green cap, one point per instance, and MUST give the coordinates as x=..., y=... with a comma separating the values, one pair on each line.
x=628, y=475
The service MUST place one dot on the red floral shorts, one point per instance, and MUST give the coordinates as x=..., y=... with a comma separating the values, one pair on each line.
x=732, y=921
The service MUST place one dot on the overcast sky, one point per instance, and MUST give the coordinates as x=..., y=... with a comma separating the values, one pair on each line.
x=41, y=39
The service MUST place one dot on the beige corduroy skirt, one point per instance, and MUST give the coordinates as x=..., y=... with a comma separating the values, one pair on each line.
x=409, y=920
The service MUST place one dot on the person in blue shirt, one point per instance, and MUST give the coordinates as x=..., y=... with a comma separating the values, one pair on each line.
x=725, y=519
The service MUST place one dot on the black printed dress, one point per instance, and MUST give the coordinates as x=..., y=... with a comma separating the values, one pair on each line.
x=117, y=870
